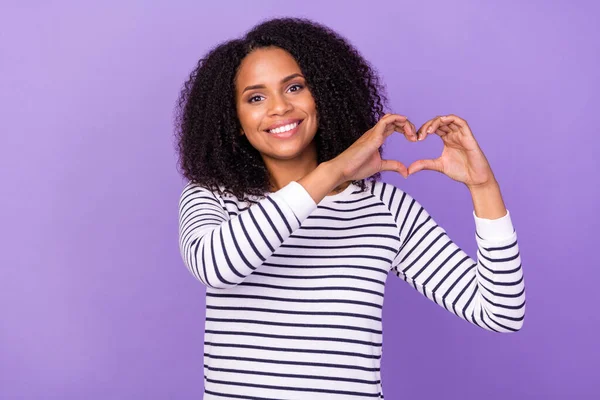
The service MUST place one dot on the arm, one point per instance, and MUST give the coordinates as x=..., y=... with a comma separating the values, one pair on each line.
x=221, y=252
x=489, y=292
x=487, y=200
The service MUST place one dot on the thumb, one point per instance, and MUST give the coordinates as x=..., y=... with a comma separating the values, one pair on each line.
x=394, y=165
x=419, y=165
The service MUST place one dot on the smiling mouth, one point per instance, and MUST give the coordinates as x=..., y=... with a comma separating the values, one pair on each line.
x=281, y=130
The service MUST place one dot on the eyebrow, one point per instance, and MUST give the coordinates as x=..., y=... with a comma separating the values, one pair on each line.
x=284, y=80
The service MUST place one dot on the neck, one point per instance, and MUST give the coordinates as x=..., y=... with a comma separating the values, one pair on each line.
x=282, y=172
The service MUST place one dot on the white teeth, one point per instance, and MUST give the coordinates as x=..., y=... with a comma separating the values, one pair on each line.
x=284, y=128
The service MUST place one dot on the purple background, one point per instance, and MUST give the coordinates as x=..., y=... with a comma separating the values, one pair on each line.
x=95, y=302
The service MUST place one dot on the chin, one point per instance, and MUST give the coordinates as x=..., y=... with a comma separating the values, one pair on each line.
x=284, y=156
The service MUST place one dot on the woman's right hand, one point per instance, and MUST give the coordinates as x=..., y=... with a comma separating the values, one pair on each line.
x=362, y=158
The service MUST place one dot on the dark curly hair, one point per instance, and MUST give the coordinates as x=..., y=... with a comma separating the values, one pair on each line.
x=347, y=92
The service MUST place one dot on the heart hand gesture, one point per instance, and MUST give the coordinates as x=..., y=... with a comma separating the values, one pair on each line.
x=461, y=159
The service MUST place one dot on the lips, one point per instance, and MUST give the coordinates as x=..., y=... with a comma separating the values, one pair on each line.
x=285, y=134
x=285, y=122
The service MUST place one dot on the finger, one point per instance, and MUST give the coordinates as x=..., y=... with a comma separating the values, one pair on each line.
x=400, y=125
x=428, y=164
x=387, y=117
x=429, y=127
x=461, y=123
x=395, y=125
x=443, y=130
x=436, y=123
x=388, y=124
x=394, y=165
x=414, y=129
x=455, y=127
x=408, y=130
x=454, y=118
x=420, y=130
x=411, y=131
x=442, y=121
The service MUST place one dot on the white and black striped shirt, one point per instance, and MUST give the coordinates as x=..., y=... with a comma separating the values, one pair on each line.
x=295, y=289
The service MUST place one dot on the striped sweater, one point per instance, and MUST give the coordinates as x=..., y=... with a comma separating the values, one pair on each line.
x=294, y=289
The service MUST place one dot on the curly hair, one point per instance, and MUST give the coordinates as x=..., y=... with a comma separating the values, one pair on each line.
x=347, y=92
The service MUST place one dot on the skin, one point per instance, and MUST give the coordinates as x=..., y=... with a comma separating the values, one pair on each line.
x=276, y=100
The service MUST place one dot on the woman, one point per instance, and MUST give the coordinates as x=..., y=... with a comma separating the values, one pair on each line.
x=284, y=219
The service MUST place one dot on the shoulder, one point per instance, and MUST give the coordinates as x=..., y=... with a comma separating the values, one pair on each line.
x=196, y=192
x=192, y=190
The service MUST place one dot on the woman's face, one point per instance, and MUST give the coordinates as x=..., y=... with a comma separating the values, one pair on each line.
x=275, y=108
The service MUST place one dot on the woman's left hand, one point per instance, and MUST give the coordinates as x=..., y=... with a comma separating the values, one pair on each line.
x=461, y=159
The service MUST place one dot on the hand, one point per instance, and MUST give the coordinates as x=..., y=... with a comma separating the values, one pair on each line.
x=362, y=158
x=461, y=159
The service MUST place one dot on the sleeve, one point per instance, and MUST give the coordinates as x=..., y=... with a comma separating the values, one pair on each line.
x=488, y=292
x=221, y=251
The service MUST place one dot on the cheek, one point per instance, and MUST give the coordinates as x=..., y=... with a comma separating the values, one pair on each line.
x=309, y=105
x=250, y=118
x=311, y=110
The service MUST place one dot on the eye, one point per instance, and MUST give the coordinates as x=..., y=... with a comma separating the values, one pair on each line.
x=252, y=99
x=297, y=85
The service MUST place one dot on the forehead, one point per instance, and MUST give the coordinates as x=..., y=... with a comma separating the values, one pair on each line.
x=266, y=66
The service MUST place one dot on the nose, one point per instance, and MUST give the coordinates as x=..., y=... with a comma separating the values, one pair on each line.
x=279, y=105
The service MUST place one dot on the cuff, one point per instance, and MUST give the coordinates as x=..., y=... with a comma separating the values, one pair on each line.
x=298, y=199
x=494, y=229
